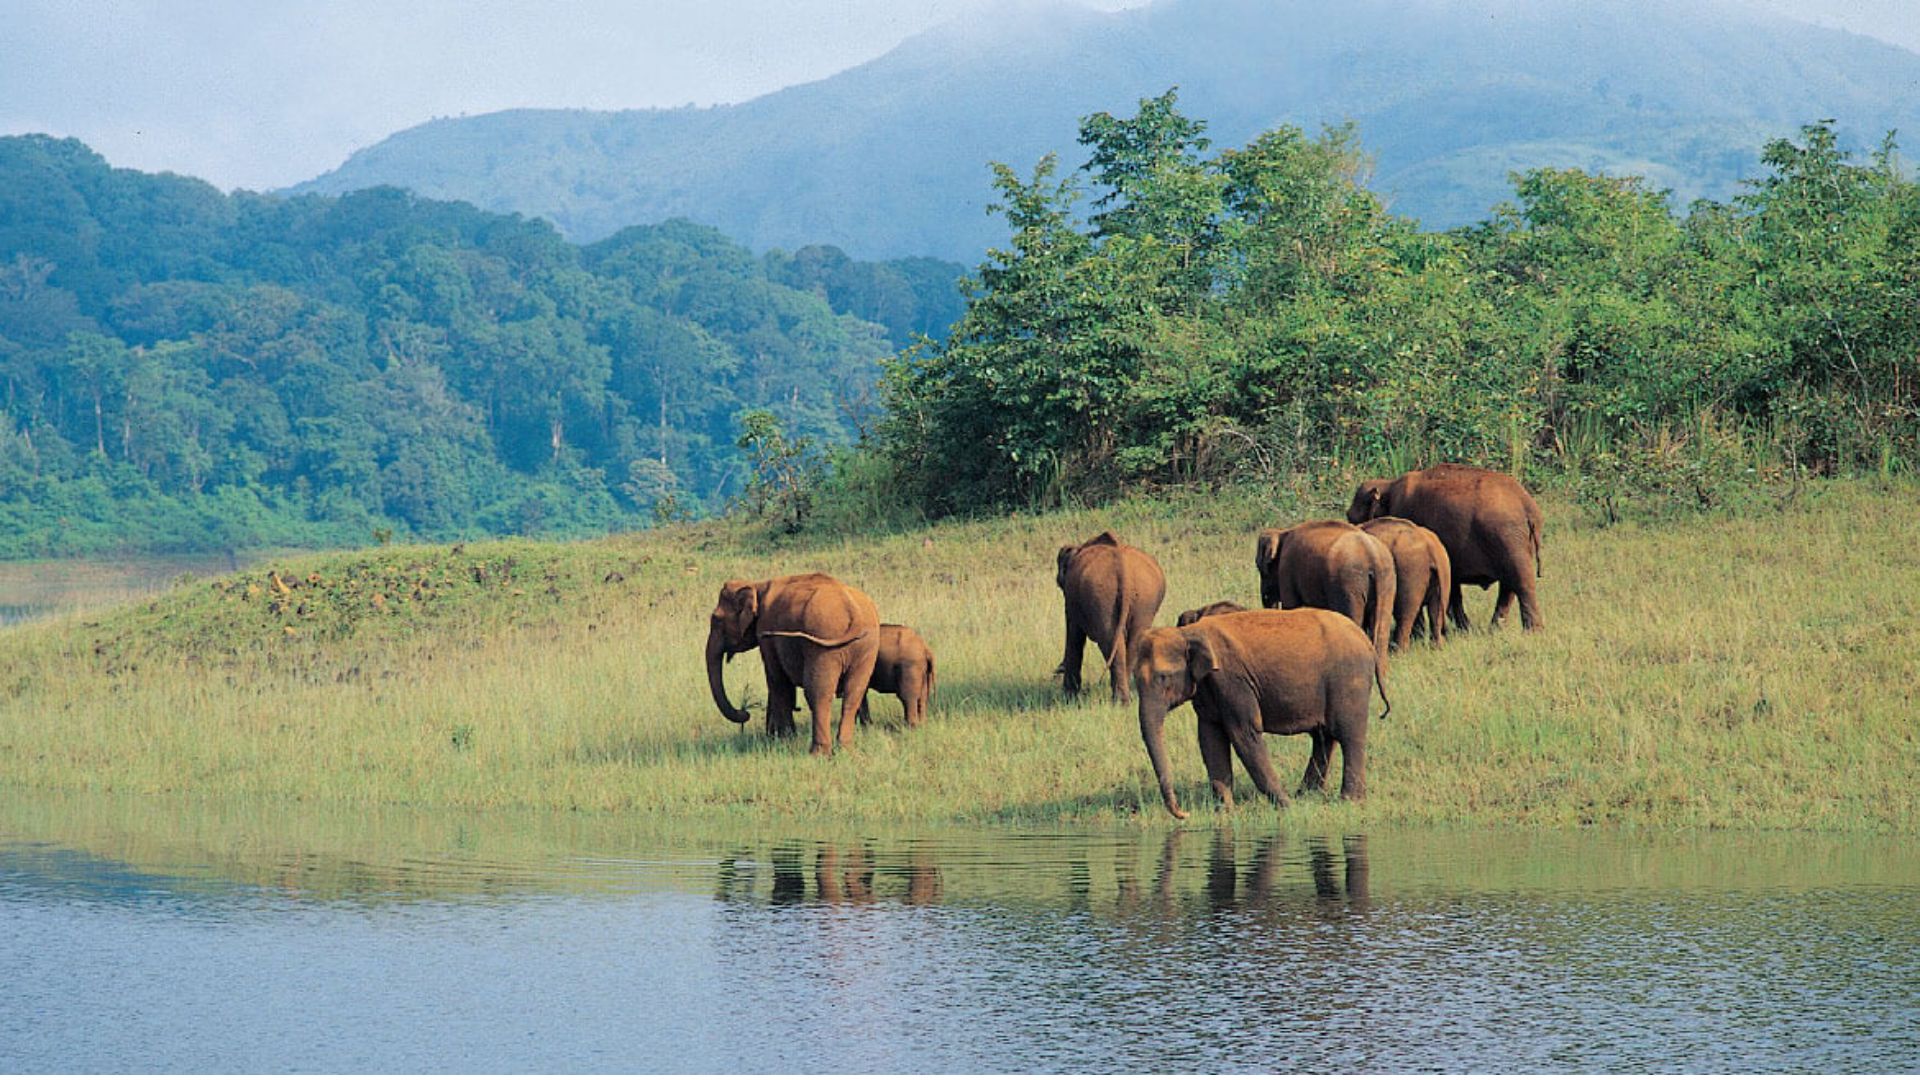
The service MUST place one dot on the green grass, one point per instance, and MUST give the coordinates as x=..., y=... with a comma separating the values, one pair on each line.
x=1753, y=671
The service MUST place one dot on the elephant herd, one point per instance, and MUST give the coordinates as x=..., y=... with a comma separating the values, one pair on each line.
x=1346, y=591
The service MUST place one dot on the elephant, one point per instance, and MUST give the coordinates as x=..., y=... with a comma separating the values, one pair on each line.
x=814, y=634
x=1301, y=670
x=1424, y=573
x=1487, y=522
x=904, y=668
x=1112, y=592
x=1333, y=565
x=1218, y=607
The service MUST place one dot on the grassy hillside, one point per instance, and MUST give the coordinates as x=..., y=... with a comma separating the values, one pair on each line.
x=1726, y=672
x=889, y=158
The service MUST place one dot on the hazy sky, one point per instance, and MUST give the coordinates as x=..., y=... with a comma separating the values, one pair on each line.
x=264, y=93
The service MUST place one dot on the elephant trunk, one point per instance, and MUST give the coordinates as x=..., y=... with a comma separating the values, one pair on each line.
x=717, y=652
x=1153, y=721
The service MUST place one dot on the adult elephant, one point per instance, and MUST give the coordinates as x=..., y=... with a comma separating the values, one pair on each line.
x=814, y=634
x=1423, y=576
x=1112, y=592
x=1332, y=565
x=1305, y=670
x=1487, y=522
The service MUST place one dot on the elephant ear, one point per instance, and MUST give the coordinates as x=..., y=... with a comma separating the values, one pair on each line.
x=1266, y=549
x=1066, y=556
x=1201, y=660
x=742, y=603
x=1367, y=503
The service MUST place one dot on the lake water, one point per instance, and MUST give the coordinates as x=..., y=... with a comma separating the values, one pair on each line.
x=35, y=589
x=143, y=935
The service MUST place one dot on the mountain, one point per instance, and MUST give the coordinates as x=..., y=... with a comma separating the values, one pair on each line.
x=890, y=158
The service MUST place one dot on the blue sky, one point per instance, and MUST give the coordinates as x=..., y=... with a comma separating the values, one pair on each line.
x=261, y=95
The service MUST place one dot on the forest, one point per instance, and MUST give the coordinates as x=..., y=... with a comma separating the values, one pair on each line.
x=189, y=370
x=183, y=369
x=1169, y=314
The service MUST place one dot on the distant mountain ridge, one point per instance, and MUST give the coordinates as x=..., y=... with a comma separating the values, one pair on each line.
x=890, y=158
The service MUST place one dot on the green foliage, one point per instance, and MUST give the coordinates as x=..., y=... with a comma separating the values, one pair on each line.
x=1259, y=314
x=325, y=368
x=784, y=471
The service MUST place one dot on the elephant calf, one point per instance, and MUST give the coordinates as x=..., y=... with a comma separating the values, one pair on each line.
x=1305, y=671
x=1424, y=576
x=1112, y=592
x=1332, y=565
x=904, y=669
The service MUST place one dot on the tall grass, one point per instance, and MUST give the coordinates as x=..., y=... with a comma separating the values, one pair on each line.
x=1713, y=671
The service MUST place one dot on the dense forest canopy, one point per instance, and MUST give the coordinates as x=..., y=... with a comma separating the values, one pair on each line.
x=181, y=368
x=1170, y=312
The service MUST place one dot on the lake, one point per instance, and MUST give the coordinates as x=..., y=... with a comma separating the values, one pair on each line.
x=43, y=587
x=157, y=935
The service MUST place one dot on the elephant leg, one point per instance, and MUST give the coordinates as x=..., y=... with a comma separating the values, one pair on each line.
x=1436, y=615
x=1457, y=608
x=1318, y=762
x=1117, y=663
x=1070, y=663
x=1353, y=764
x=1405, y=610
x=780, y=695
x=852, y=686
x=913, y=699
x=1526, y=585
x=1239, y=715
x=821, y=679
x=1218, y=756
x=1503, y=605
x=866, y=711
x=1253, y=754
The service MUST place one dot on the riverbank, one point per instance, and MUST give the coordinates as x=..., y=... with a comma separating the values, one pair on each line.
x=1716, y=671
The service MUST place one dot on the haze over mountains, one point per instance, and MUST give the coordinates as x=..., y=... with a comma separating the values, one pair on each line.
x=890, y=158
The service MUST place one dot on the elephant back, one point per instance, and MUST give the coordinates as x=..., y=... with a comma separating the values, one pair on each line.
x=820, y=608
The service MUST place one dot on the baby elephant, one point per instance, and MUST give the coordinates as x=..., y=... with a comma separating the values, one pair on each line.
x=903, y=669
x=1300, y=671
x=1218, y=607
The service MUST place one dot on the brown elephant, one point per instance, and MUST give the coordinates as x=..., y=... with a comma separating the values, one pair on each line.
x=1305, y=670
x=1488, y=523
x=1218, y=607
x=814, y=634
x=1333, y=565
x=1424, y=576
x=903, y=668
x=1112, y=590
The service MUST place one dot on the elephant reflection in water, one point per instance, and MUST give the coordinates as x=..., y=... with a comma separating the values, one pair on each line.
x=841, y=874
x=1335, y=894
x=1338, y=874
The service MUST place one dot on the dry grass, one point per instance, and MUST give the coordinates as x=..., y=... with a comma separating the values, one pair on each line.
x=1751, y=672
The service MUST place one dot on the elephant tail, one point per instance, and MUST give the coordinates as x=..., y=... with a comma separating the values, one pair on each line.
x=929, y=682
x=1122, y=641
x=1379, y=624
x=1533, y=536
x=831, y=643
x=1380, y=680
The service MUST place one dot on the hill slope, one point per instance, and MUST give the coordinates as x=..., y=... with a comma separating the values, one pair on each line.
x=888, y=158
